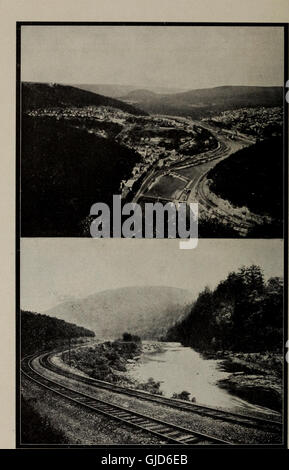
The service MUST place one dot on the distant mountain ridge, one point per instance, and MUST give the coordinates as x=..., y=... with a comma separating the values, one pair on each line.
x=142, y=94
x=232, y=94
x=207, y=100
x=39, y=95
x=146, y=311
x=117, y=91
x=196, y=103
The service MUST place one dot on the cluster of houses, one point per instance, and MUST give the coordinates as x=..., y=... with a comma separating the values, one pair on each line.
x=101, y=113
x=251, y=121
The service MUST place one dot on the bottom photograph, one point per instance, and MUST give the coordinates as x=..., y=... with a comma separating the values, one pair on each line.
x=139, y=342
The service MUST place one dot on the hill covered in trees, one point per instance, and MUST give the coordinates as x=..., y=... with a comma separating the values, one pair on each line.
x=64, y=170
x=39, y=95
x=253, y=177
x=42, y=331
x=243, y=313
x=69, y=157
x=147, y=311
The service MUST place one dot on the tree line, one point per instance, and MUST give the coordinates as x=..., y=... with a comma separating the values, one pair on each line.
x=243, y=313
x=41, y=331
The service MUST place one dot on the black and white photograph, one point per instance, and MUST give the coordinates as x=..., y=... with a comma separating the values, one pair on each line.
x=169, y=114
x=154, y=348
x=152, y=244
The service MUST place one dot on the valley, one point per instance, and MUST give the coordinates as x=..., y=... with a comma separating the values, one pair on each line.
x=121, y=149
x=199, y=369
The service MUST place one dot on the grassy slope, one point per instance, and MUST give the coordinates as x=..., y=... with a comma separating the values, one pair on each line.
x=37, y=428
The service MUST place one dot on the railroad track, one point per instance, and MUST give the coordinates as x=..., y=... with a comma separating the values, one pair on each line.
x=221, y=415
x=167, y=432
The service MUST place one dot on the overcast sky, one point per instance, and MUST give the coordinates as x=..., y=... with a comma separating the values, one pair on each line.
x=184, y=57
x=54, y=270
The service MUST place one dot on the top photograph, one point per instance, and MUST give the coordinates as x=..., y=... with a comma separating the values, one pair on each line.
x=118, y=124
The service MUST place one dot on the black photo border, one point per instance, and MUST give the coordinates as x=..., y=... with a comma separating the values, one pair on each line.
x=138, y=449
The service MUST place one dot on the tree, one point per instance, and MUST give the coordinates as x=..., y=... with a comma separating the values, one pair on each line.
x=126, y=337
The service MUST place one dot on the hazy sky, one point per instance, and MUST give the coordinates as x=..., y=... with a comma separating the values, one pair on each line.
x=54, y=270
x=183, y=57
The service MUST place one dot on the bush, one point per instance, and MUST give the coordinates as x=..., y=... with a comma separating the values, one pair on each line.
x=151, y=386
x=184, y=395
x=104, y=360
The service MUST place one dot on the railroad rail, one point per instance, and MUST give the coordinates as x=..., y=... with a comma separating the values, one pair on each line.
x=167, y=432
x=203, y=410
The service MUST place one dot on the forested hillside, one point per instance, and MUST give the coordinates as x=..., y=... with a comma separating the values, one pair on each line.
x=253, y=177
x=42, y=331
x=69, y=157
x=243, y=313
x=39, y=95
x=64, y=170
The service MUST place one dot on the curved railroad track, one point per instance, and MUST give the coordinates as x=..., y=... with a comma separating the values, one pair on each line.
x=221, y=415
x=167, y=432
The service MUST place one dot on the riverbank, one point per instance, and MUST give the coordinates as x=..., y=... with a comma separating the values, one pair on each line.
x=255, y=377
x=111, y=360
x=159, y=368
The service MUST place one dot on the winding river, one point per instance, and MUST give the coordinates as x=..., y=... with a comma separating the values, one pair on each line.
x=180, y=368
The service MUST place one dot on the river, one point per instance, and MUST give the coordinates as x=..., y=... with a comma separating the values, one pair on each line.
x=180, y=368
